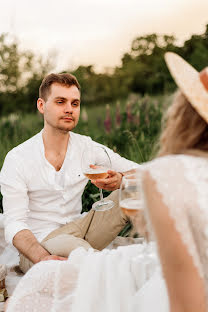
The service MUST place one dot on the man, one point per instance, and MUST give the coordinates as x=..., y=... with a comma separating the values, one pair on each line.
x=42, y=183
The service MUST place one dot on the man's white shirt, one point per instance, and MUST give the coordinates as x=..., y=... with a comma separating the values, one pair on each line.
x=39, y=198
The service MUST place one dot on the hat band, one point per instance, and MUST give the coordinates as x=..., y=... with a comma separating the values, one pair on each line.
x=203, y=75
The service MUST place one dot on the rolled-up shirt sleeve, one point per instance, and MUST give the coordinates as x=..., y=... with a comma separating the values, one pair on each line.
x=15, y=197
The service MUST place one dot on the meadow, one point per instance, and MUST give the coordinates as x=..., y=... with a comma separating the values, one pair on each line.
x=130, y=127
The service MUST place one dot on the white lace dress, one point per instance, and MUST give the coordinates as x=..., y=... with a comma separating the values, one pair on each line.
x=128, y=279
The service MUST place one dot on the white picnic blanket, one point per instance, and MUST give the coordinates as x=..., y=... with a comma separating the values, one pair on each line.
x=8, y=256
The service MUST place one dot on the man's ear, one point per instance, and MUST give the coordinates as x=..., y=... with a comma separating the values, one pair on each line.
x=40, y=105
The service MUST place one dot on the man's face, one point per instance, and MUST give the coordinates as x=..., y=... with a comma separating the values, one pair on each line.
x=61, y=110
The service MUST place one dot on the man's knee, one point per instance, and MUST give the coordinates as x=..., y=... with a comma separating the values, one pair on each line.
x=63, y=244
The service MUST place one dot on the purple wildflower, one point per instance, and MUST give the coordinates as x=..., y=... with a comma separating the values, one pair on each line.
x=118, y=115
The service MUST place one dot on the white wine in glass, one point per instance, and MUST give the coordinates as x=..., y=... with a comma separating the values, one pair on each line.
x=96, y=173
x=95, y=165
x=130, y=206
x=129, y=195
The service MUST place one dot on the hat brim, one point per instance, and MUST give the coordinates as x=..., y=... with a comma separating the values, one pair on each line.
x=188, y=80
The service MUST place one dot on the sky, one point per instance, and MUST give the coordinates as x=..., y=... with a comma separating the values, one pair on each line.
x=98, y=32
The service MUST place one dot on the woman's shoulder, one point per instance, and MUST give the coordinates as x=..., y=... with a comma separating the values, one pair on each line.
x=171, y=163
x=177, y=174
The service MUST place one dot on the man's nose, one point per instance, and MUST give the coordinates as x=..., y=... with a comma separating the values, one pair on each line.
x=68, y=108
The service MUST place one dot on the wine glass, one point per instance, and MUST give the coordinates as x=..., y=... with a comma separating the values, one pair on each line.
x=95, y=165
x=129, y=195
x=131, y=202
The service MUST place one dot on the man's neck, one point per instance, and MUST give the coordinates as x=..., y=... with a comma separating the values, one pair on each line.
x=55, y=141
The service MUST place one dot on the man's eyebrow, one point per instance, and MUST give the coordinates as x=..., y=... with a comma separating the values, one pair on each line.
x=65, y=99
x=60, y=98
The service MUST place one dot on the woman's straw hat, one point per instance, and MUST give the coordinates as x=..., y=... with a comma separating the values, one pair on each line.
x=193, y=85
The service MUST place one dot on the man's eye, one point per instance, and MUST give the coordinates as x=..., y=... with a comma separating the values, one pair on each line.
x=59, y=102
x=75, y=104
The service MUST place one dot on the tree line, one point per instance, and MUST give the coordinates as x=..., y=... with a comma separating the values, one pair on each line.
x=142, y=70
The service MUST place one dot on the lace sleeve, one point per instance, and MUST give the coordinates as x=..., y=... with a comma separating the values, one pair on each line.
x=179, y=194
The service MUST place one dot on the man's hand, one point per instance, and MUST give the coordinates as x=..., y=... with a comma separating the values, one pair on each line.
x=111, y=183
x=53, y=257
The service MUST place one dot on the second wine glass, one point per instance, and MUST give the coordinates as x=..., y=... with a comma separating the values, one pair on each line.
x=95, y=165
x=131, y=202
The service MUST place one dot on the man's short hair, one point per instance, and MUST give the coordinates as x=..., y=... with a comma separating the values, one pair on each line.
x=65, y=79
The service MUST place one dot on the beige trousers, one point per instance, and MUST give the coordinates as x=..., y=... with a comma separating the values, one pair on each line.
x=97, y=230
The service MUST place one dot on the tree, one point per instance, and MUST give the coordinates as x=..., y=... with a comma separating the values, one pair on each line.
x=20, y=72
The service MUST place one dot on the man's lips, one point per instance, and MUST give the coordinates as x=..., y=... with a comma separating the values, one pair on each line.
x=68, y=118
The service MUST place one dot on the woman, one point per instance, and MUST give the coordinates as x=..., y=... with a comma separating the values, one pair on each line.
x=175, y=197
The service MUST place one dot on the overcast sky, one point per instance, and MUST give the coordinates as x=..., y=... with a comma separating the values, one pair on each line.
x=97, y=31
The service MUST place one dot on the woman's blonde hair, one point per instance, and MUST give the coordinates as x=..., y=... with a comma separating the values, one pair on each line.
x=184, y=129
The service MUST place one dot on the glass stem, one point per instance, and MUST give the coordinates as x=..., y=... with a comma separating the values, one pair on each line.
x=101, y=195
